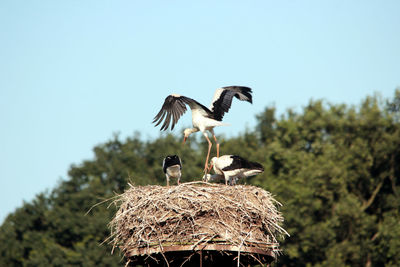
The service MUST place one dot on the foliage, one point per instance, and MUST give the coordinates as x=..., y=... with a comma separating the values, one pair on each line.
x=335, y=168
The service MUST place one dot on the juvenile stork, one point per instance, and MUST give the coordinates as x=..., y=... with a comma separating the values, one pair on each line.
x=232, y=168
x=172, y=167
x=203, y=119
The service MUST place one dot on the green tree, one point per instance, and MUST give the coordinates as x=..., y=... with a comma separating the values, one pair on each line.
x=336, y=171
x=334, y=168
x=57, y=229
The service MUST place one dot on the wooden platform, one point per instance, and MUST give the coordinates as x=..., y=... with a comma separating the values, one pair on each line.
x=202, y=255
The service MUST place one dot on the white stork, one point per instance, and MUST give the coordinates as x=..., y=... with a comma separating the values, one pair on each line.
x=203, y=118
x=232, y=168
x=172, y=167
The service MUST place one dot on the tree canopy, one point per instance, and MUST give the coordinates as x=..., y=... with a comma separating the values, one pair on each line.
x=335, y=169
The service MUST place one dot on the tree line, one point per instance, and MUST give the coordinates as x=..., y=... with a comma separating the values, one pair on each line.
x=335, y=168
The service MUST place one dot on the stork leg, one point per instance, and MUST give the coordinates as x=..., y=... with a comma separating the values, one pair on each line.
x=167, y=179
x=216, y=141
x=208, y=154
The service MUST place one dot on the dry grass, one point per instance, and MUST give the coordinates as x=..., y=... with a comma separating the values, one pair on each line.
x=195, y=214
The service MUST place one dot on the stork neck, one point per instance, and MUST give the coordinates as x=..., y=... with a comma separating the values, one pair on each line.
x=191, y=130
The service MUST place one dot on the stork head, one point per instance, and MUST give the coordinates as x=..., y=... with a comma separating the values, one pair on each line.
x=206, y=177
x=186, y=134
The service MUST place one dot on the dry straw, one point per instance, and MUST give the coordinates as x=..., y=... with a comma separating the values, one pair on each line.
x=151, y=218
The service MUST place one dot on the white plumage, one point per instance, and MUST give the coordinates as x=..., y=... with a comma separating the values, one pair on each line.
x=231, y=168
x=203, y=119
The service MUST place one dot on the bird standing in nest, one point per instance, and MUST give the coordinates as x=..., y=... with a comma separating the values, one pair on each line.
x=231, y=168
x=203, y=119
x=172, y=167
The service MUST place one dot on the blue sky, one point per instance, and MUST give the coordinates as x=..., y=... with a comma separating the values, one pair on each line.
x=72, y=73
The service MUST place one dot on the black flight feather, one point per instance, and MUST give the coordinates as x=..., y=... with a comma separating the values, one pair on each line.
x=224, y=102
x=174, y=107
x=241, y=163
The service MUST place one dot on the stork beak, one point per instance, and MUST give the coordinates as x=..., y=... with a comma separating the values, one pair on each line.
x=211, y=166
x=184, y=140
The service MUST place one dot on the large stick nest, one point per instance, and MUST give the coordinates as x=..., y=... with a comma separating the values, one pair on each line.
x=195, y=214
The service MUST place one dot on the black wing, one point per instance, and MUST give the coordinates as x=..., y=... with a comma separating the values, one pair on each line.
x=171, y=160
x=174, y=107
x=241, y=163
x=222, y=99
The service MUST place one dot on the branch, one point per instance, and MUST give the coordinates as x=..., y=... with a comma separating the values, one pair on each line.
x=372, y=198
x=392, y=176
